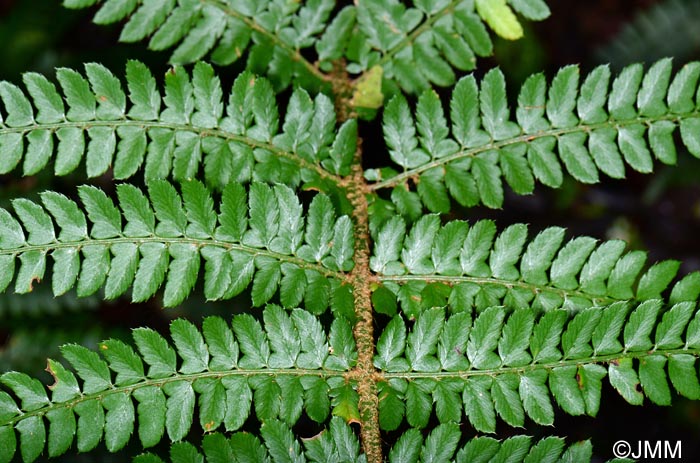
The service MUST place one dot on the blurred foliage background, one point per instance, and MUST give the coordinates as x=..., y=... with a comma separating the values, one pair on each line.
x=659, y=213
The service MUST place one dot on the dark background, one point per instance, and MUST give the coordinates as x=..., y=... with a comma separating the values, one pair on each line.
x=659, y=213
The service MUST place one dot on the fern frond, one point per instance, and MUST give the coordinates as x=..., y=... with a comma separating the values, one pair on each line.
x=416, y=46
x=259, y=236
x=420, y=45
x=465, y=266
x=339, y=444
x=508, y=363
x=584, y=129
x=225, y=31
x=223, y=369
x=336, y=444
x=442, y=441
x=179, y=133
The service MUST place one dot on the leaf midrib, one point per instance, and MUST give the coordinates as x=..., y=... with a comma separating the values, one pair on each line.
x=526, y=138
x=201, y=131
x=293, y=53
x=160, y=382
x=325, y=374
x=607, y=358
x=415, y=33
x=108, y=242
x=535, y=288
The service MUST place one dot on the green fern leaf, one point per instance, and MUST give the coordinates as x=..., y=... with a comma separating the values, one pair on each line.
x=484, y=324
x=95, y=125
x=488, y=269
x=161, y=239
x=445, y=34
x=583, y=129
x=574, y=346
x=163, y=399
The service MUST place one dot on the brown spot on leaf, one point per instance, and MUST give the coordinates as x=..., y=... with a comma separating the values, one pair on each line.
x=53, y=375
x=34, y=279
